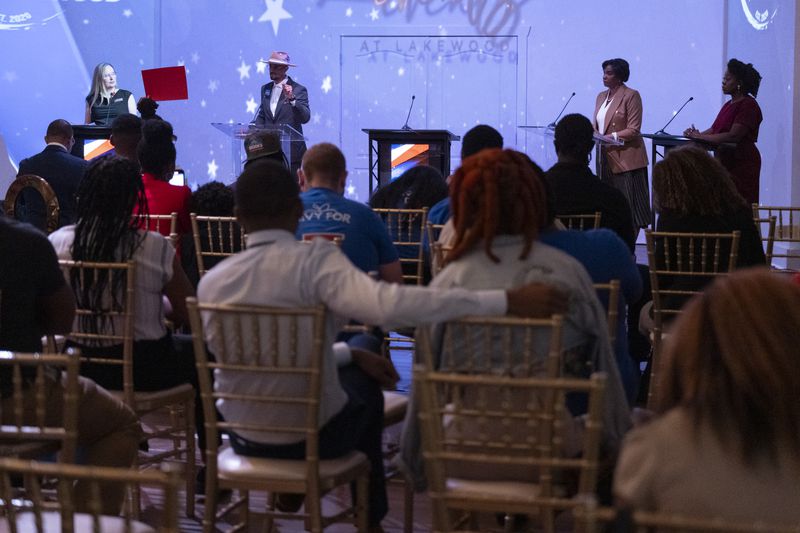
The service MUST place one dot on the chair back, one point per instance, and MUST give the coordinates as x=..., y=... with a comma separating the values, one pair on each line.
x=40, y=185
x=215, y=238
x=166, y=225
x=609, y=292
x=438, y=253
x=29, y=424
x=490, y=423
x=38, y=512
x=406, y=227
x=581, y=222
x=766, y=228
x=105, y=324
x=681, y=265
x=787, y=232
x=267, y=365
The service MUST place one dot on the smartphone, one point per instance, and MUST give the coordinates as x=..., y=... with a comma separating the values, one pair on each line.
x=178, y=177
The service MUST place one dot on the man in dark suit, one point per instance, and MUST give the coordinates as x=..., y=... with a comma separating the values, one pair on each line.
x=284, y=101
x=60, y=169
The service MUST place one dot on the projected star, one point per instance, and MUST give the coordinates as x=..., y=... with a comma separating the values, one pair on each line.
x=316, y=117
x=326, y=84
x=212, y=169
x=213, y=85
x=373, y=14
x=195, y=57
x=351, y=190
x=274, y=14
x=401, y=71
x=10, y=76
x=252, y=105
x=127, y=13
x=348, y=12
x=244, y=71
x=203, y=102
x=261, y=67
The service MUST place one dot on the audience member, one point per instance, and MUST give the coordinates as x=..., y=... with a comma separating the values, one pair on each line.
x=499, y=210
x=60, y=169
x=475, y=140
x=264, y=145
x=147, y=108
x=268, y=206
x=327, y=213
x=726, y=443
x=34, y=302
x=214, y=199
x=576, y=190
x=157, y=154
x=694, y=193
x=126, y=132
x=111, y=206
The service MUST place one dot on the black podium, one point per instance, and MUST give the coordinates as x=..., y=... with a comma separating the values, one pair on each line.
x=84, y=135
x=395, y=150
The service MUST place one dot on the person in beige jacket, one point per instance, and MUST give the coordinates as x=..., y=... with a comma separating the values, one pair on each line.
x=618, y=115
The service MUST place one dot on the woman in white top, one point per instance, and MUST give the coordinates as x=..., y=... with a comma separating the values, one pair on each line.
x=727, y=442
x=107, y=231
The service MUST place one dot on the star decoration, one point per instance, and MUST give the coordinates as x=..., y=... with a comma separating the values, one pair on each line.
x=10, y=76
x=348, y=12
x=213, y=85
x=244, y=71
x=351, y=190
x=181, y=63
x=373, y=14
x=326, y=84
x=127, y=13
x=316, y=117
x=252, y=105
x=195, y=57
x=261, y=66
x=212, y=169
x=401, y=71
x=203, y=102
x=274, y=14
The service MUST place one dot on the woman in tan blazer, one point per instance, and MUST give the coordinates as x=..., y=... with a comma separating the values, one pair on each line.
x=618, y=114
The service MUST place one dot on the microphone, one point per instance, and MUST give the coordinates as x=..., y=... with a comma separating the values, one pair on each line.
x=405, y=126
x=553, y=124
x=662, y=131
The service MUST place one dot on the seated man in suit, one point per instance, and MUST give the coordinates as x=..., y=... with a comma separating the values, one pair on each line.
x=576, y=190
x=268, y=206
x=60, y=169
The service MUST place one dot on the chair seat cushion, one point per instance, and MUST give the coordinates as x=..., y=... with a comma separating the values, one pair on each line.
x=511, y=491
x=152, y=400
x=83, y=522
x=395, y=406
x=232, y=466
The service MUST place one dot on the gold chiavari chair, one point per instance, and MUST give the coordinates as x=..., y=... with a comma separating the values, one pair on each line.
x=406, y=227
x=215, y=238
x=592, y=519
x=160, y=223
x=786, y=235
x=40, y=185
x=43, y=510
x=581, y=222
x=612, y=288
x=766, y=228
x=34, y=421
x=496, y=435
x=681, y=265
x=117, y=321
x=284, y=348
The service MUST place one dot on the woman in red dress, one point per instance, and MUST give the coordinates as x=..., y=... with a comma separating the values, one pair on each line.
x=737, y=124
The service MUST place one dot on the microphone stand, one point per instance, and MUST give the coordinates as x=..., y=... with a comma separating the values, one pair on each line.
x=662, y=131
x=406, y=127
x=553, y=124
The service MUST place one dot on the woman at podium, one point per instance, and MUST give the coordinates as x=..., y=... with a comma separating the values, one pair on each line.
x=735, y=130
x=105, y=100
x=618, y=114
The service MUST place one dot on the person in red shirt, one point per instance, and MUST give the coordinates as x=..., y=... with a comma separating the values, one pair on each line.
x=157, y=154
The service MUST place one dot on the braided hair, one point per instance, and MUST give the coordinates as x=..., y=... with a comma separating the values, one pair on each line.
x=497, y=192
x=111, y=206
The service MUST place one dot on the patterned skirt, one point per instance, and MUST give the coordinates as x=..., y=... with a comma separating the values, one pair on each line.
x=636, y=189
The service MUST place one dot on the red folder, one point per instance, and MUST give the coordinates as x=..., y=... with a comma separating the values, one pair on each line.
x=167, y=83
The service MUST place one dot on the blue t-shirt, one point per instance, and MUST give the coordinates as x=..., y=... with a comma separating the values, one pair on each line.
x=440, y=212
x=605, y=257
x=365, y=240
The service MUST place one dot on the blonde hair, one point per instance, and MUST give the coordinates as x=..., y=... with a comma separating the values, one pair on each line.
x=732, y=362
x=98, y=89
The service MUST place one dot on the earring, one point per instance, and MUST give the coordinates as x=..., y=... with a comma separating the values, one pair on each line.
x=739, y=87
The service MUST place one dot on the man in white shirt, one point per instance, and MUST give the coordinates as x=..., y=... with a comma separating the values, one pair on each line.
x=279, y=271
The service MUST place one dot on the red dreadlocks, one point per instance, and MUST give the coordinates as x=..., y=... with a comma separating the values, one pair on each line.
x=496, y=192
